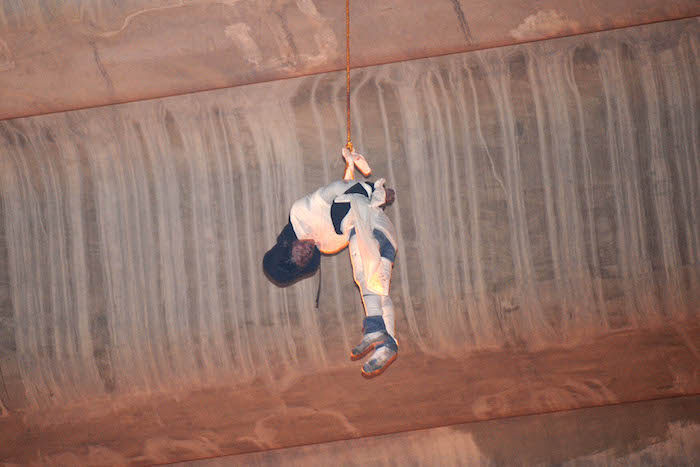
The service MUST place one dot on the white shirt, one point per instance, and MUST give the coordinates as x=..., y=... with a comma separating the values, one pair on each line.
x=311, y=216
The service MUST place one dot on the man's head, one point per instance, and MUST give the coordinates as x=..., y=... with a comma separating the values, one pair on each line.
x=302, y=252
x=291, y=260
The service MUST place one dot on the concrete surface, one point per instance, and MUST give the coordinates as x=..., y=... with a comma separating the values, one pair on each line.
x=662, y=432
x=418, y=392
x=58, y=55
x=548, y=200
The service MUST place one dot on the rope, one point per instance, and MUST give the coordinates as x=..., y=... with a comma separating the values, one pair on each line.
x=347, y=70
x=318, y=291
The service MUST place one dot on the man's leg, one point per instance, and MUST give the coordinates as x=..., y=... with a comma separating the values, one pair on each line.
x=373, y=327
x=387, y=253
x=388, y=315
x=378, y=325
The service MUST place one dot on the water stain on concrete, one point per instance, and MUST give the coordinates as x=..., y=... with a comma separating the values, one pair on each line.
x=544, y=23
x=6, y=61
x=240, y=34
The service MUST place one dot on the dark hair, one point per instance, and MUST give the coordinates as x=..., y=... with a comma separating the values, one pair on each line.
x=278, y=264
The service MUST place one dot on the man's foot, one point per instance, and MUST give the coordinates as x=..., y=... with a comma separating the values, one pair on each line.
x=374, y=334
x=379, y=361
x=369, y=342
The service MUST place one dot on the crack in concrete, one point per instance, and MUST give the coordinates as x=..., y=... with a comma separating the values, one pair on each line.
x=290, y=40
x=101, y=68
x=462, y=20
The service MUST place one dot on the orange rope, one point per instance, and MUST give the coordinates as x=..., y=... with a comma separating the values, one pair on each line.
x=347, y=69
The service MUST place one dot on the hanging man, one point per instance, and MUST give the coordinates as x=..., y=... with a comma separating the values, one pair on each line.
x=346, y=213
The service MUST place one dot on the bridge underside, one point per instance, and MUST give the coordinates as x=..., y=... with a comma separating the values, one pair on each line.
x=547, y=282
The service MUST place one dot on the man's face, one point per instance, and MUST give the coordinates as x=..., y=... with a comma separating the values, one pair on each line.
x=302, y=252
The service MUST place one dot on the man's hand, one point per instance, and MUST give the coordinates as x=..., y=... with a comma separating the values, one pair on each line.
x=349, y=165
x=353, y=159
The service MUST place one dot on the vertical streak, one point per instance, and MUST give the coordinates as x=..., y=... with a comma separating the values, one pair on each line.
x=88, y=378
x=232, y=255
x=415, y=147
x=546, y=156
x=661, y=184
x=588, y=190
x=497, y=79
x=484, y=329
x=580, y=305
x=462, y=276
x=409, y=311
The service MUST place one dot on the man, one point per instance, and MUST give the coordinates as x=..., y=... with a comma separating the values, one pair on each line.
x=346, y=213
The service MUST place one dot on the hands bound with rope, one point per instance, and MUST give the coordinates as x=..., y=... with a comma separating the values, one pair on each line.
x=352, y=160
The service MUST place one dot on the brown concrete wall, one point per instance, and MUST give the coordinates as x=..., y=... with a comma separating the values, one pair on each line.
x=63, y=55
x=547, y=196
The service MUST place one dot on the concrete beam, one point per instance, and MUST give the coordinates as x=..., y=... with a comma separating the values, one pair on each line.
x=418, y=393
x=57, y=55
x=660, y=432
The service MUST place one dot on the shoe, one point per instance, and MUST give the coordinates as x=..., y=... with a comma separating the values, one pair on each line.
x=369, y=342
x=374, y=334
x=380, y=360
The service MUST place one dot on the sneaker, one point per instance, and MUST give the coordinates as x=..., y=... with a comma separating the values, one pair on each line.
x=379, y=361
x=369, y=342
x=374, y=334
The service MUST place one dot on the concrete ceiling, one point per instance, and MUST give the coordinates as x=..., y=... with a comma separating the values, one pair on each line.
x=58, y=55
